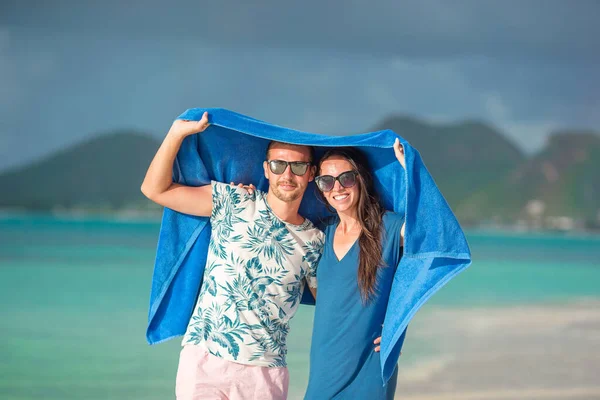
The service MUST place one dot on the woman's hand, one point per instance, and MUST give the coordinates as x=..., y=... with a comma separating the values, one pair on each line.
x=249, y=188
x=399, y=151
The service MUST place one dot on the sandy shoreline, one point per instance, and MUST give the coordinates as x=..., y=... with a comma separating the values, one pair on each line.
x=525, y=352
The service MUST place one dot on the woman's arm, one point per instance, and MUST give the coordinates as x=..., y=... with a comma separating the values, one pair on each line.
x=399, y=151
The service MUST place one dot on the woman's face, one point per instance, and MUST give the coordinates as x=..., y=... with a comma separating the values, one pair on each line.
x=343, y=200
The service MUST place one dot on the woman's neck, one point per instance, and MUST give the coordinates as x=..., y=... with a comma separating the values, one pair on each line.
x=349, y=223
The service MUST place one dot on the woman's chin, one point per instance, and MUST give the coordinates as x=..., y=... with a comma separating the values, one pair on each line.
x=341, y=208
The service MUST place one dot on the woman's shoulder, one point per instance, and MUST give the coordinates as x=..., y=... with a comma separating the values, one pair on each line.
x=393, y=221
x=393, y=218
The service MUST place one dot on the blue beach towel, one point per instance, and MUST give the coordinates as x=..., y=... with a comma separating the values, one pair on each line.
x=233, y=149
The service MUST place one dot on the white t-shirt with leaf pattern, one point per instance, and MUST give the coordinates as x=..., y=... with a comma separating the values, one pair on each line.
x=255, y=273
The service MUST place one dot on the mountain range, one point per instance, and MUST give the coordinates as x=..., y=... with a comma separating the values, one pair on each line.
x=481, y=173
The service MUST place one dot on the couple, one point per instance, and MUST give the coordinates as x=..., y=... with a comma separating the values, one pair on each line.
x=261, y=255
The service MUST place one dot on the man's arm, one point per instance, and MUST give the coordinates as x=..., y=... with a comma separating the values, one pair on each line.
x=313, y=290
x=158, y=184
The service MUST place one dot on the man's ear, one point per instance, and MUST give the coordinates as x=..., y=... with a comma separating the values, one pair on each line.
x=313, y=171
x=265, y=166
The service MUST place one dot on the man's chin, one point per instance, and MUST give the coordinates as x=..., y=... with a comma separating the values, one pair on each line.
x=288, y=196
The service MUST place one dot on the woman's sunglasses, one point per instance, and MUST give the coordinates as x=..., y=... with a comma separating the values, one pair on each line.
x=278, y=167
x=347, y=179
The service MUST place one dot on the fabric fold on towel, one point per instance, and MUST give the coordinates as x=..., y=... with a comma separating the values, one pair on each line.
x=233, y=149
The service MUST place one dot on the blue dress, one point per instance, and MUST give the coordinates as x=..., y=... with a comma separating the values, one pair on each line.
x=343, y=364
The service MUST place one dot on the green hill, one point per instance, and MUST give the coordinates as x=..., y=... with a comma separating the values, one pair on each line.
x=564, y=177
x=463, y=157
x=482, y=174
x=105, y=172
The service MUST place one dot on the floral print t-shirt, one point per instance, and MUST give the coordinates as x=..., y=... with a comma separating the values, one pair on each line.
x=255, y=272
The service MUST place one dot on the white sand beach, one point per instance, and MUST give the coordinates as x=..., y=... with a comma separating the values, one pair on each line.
x=525, y=352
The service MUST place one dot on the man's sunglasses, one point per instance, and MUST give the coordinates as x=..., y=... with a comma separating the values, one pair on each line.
x=347, y=179
x=278, y=167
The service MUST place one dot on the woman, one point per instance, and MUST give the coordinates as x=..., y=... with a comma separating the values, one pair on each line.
x=363, y=246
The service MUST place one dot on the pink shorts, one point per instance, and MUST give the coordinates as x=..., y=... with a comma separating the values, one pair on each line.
x=201, y=375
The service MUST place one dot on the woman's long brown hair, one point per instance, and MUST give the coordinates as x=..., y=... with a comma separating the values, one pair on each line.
x=370, y=215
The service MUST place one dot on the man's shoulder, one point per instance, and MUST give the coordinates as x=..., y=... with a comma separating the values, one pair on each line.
x=312, y=227
x=234, y=190
x=323, y=223
x=311, y=232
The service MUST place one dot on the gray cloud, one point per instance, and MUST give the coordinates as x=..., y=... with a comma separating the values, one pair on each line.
x=73, y=71
x=535, y=29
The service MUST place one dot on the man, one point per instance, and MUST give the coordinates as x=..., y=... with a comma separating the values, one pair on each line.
x=261, y=253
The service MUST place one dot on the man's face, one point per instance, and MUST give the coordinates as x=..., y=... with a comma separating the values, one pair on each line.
x=288, y=187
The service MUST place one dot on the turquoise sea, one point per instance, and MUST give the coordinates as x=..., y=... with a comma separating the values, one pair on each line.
x=74, y=297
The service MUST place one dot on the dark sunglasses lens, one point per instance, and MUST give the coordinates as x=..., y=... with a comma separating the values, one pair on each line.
x=325, y=183
x=277, y=166
x=299, y=168
x=347, y=179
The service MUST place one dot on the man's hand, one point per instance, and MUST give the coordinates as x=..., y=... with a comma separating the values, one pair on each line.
x=378, y=343
x=249, y=188
x=399, y=151
x=183, y=128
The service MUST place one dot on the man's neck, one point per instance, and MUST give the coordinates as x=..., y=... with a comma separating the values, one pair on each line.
x=285, y=211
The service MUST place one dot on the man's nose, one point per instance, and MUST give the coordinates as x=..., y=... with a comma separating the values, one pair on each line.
x=287, y=173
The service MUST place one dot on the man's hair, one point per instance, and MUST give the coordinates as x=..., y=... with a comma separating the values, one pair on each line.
x=311, y=150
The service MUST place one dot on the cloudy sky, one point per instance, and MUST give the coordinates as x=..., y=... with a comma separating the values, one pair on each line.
x=71, y=70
